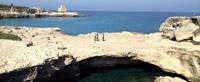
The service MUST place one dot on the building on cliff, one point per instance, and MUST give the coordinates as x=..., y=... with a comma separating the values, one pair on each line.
x=62, y=9
x=12, y=8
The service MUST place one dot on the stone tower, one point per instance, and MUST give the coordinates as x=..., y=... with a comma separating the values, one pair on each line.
x=62, y=9
x=11, y=9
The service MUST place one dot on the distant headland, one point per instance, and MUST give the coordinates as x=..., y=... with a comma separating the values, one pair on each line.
x=11, y=11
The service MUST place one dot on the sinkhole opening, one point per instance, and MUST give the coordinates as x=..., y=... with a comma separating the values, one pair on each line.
x=109, y=69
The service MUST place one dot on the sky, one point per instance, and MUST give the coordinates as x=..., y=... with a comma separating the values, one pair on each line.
x=114, y=5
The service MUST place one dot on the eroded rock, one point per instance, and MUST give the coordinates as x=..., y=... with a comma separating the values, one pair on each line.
x=29, y=44
x=185, y=31
x=169, y=79
x=180, y=28
x=196, y=36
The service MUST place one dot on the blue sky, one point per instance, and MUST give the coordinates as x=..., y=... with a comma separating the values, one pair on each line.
x=114, y=5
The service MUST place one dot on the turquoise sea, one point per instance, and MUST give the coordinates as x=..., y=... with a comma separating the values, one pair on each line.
x=100, y=21
x=121, y=75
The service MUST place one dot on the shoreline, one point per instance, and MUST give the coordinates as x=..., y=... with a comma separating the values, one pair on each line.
x=79, y=34
x=37, y=15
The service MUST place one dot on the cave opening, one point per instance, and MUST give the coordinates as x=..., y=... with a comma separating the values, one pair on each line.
x=109, y=69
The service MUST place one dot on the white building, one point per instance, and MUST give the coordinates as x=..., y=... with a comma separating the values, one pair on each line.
x=12, y=8
x=62, y=9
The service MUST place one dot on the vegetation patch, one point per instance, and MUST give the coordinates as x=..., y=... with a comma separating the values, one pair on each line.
x=9, y=36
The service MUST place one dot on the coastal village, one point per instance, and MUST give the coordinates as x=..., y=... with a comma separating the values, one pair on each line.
x=26, y=12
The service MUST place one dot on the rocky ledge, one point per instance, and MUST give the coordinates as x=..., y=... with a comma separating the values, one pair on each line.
x=28, y=15
x=169, y=79
x=15, y=15
x=182, y=28
x=47, y=54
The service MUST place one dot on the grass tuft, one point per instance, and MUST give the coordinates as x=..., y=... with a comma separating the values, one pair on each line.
x=9, y=36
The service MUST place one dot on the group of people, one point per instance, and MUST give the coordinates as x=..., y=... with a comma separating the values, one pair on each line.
x=96, y=37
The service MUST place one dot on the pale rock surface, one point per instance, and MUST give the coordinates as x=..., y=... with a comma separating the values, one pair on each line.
x=169, y=79
x=185, y=31
x=180, y=28
x=52, y=50
x=196, y=35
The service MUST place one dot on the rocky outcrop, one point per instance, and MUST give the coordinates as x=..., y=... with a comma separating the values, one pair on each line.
x=15, y=15
x=28, y=15
x=196, y=36
x=180, y=28
x=169, y=79
x=51, y=52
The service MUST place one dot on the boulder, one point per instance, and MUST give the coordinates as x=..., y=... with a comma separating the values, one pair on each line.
x=169, y=79
x=196, y=36
x=185, y=31
x=196, y=20
x=180, y=28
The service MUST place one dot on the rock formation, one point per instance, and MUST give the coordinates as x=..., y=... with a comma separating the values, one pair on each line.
x=196, y=36
x=51, y=52
x=169, y=79
x=181, y=28
x=15, y=15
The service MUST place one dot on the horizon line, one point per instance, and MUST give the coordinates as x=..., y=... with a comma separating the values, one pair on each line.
x=134, y=11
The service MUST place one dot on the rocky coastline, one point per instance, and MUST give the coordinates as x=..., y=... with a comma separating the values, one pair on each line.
x=36, y=15
x=47, y=54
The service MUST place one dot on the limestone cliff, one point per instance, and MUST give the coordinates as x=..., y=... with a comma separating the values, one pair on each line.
x=43, y=52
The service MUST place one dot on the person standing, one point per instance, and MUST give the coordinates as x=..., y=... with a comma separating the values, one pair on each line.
x=96, y=37
x=103, y=37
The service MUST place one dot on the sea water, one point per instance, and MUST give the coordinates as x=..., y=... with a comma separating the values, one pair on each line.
x=121, y=75
x=100, y=21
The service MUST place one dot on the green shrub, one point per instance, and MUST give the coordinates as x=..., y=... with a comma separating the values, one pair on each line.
x=9, y=36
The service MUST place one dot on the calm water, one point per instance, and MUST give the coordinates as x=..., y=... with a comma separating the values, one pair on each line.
x=121, y=75
x=100, y=22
